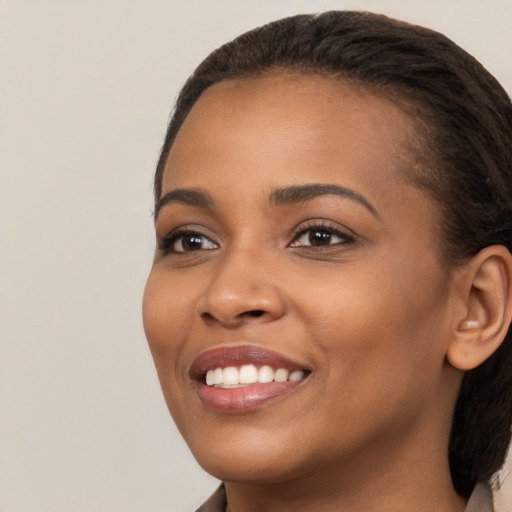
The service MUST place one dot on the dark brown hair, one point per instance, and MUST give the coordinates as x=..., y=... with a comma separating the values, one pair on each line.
x=466, y=163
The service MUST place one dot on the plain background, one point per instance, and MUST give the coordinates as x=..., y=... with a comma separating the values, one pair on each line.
x=85, y=92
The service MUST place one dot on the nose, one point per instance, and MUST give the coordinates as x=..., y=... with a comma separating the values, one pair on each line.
x=244, y=289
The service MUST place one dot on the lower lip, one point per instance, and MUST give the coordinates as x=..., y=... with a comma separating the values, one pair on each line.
x=245, y=398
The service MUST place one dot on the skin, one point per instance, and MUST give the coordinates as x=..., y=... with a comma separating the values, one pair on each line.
x=371, y=313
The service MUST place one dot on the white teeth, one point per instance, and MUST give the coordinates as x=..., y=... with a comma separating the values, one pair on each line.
x=281, y=375
x=218, y=376
x=248, y=374
x=296, y=375
x=265, y=374
x=232, y=376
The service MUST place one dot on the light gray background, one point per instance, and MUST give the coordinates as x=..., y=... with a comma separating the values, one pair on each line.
x=85, y=92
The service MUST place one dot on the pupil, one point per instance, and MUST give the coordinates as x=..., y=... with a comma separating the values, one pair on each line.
x=319, y=238
x=192, y=242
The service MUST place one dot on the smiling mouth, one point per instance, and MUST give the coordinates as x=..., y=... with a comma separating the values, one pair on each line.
x=244, y=378
x=247, y=374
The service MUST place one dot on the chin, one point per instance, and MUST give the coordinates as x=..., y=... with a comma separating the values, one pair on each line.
x=246, y=459
x=255, y=471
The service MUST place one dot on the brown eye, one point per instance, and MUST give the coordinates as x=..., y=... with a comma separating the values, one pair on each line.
x=187, y=242
x=316, y=238
x=192, y=242
x=321, y=237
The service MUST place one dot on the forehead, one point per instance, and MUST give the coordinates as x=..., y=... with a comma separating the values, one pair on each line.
x=290, y=126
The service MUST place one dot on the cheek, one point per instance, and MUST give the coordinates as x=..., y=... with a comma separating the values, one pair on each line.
x=385, y=325
x=165, y=318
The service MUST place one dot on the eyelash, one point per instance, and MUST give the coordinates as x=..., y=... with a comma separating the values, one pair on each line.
x=168, y=242
x=325, y=228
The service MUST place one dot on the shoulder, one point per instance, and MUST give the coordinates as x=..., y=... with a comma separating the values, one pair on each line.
x=216, y=502
x=480, y=499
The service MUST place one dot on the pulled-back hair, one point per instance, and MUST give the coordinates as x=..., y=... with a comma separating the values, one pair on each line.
x=464, y=118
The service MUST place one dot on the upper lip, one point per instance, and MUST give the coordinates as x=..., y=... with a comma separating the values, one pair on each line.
x=239, y=355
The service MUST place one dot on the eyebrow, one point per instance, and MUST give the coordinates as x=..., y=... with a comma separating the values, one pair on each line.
x=279, y=197
x=302, y=193
x=188, y=196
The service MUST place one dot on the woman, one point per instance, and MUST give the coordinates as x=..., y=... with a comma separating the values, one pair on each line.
x=331, y=293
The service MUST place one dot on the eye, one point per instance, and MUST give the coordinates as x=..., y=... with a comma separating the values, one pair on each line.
x=320, y=236
x=186, y=241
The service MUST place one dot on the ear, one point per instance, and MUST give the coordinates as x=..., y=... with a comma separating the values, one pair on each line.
x=486, y=286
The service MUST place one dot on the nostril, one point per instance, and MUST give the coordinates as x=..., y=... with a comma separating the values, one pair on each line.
x=253, y=313
x=256, y=313
x=208, y=316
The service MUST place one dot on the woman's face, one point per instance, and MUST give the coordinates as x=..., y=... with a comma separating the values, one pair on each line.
x=290, y=239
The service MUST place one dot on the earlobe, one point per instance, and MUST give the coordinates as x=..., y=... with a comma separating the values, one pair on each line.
x=487, y=294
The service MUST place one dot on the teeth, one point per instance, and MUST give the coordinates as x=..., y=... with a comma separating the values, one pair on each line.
x=265, y=374
x=232, y=376
x=296, y=375
x=248, y=374
x=281, y=375
x=218, y=376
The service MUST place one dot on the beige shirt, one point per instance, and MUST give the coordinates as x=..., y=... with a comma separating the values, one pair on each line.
x=480, y=500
